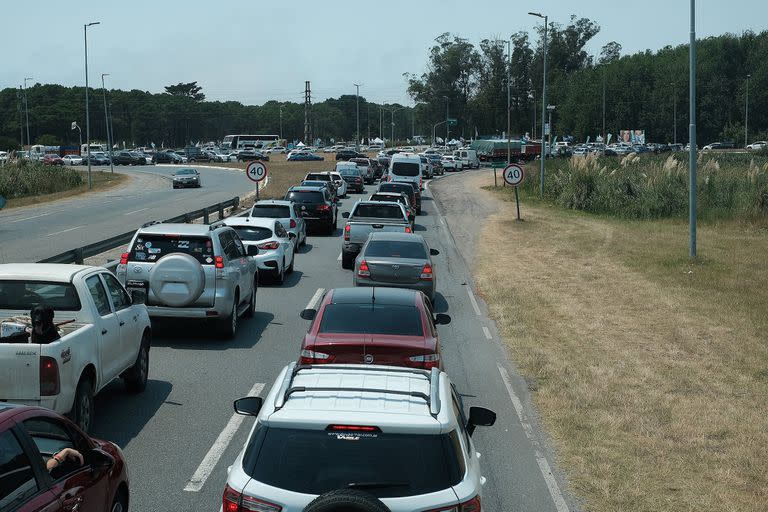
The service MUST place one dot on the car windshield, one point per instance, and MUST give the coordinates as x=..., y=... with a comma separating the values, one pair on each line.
x=372, y=319
x=151, y=247
x=270, y=211
x=349, y=172
x=380, y=211
x=253, y=233
x=394, y=187
x=305, y=196
x=185, y=171
x=24, y=295
x=395, y=249
x=318, y=177
x=405, y=169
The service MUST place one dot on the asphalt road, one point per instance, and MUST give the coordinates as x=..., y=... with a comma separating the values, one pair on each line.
x=180, y=433
x=32, y=233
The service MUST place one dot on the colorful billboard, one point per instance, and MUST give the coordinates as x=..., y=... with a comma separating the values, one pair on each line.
x=632, y=136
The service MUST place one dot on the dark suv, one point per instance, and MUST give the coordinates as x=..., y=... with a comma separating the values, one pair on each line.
x=127, y=158
x=347, y=154
x=166, y=157
x=315, y=206
x=412, y=192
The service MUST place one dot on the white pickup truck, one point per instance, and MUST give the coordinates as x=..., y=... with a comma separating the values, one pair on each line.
x=105, y=334
x=369, y=217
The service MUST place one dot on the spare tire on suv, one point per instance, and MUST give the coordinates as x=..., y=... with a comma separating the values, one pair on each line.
x=177, y=279
x=346, y=500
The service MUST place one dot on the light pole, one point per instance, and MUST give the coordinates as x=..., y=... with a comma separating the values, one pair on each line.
x=746, y=114
x=357, y=116
x=604, y=139
x=434, y=133
x=509, y=105
x=392, y=112
x=692, y=138
x=281, y=122
x=381, y=122
x=19, y=97
x=447, y=124
x=543, y=100
x=26, y=110
x=87, y=109
x=80, y=132
x=674, y=113
x=106, y=122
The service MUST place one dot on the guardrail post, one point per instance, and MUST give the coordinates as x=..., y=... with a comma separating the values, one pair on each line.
x=221, y=211
x=206, y=219
x=79, y=255
x=187, y=218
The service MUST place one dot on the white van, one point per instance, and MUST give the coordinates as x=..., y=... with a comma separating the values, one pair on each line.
x=405, y=167
x=468, y=158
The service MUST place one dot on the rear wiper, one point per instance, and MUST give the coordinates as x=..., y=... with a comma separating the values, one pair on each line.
x=376, y=485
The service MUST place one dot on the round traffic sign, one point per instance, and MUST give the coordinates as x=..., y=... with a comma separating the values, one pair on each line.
x=256, y=171
x=513, y=174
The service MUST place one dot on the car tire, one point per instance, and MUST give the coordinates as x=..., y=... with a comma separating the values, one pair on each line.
x=347, y=260
x=228, y=325
x=120, y=503
x=82, y=408
x=252, y=304
x=136, y=377
x=293, y=260
x=346, y=500
x=280, y=277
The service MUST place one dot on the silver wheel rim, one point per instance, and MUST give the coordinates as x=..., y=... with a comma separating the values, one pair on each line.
x=234, y=318
x=85, y=412
x=117, y=506
x=253, y=300
x=144, y=364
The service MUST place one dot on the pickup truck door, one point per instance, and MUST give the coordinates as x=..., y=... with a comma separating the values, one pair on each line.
x=128, y=320
x=107, y=325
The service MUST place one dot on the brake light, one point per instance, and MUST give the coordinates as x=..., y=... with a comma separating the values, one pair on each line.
x=233, y=501
x=218, y=262
x=347, y=229
x=124, y=258
x=426, y=272
x=49, y=376
x=270, y=246
x=472, y=505
x=363, y=271
x=352, y=428
x=324, y=208
x=293, y=223
x=427, y=360
x=310, y=356
x=407, y=229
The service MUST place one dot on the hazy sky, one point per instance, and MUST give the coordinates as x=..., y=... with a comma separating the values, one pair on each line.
x=253, y=50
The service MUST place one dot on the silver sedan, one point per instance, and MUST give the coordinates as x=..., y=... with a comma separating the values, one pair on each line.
x=399, y=260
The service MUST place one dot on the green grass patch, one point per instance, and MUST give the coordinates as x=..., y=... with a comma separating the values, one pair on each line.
x=26, y=179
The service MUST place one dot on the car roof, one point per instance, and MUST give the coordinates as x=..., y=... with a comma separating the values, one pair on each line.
x=271, y=202
x=58, y=272
x=306, y=188
x=368, y=295
x=176, y=229
x=261, y=222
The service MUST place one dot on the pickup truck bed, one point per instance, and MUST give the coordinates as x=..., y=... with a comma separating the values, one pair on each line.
x=358, y=227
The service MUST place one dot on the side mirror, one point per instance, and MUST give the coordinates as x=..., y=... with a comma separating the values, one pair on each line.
x=345, y=215
x=248, y=406
x=98, y=459
x=480, y=416
x=442, y=319
x=308, y=314
x=252, y=250
x=434, y=252
x=138, y=296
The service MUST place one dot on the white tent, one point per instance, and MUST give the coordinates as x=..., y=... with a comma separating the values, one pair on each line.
x=377, y=140
x=300, y=145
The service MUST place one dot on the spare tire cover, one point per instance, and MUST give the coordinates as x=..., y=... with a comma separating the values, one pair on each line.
x=346, y=500
x=177, y=279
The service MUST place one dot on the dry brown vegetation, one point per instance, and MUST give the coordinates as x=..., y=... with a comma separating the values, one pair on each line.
x=650, y=372
x=102, y=180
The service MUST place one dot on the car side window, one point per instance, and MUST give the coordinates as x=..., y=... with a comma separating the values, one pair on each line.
x=238, y=244
x=17, y=479
x=99, y=295
x=280, y=230
x=430, y=315
x=228, y=245
x=120, y=298
x=462, y=420
x=50, y=437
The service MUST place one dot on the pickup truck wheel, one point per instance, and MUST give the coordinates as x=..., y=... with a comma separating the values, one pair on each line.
x=347, y=260
x=137, y=376
x=82, y=409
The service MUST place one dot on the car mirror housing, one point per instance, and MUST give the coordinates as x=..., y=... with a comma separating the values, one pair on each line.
x=308, y=314
x=442, y=319
x=248, y=406
x=98, y=459
x=434, y=252
x=252, y=250
x=138, y=297
x=480, y=416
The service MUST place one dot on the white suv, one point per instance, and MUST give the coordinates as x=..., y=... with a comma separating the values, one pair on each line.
x=390, y=435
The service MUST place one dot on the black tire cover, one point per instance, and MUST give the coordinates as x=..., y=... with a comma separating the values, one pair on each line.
x=177, y=279
x=346, y=500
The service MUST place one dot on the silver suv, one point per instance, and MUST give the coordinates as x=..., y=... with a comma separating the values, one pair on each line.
x=398, y=434
x=192, y=271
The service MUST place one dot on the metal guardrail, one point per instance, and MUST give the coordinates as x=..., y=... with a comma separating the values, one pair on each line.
x=79, y=254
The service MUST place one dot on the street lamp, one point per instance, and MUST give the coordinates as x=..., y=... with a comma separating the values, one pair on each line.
x=357, y=116
x=746, y=113
x=87, y=110
x=543, y=99
x=392, y=112
x=26, y=109
x=106, y=122
x=692, y=193
x=75, y=126
x=447, y=124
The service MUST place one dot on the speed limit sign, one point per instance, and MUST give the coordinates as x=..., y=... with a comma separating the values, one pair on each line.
x=513, y=174
x=256, y=171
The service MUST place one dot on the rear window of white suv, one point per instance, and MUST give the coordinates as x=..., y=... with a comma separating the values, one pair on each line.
x=151, y=248
x=383, y=464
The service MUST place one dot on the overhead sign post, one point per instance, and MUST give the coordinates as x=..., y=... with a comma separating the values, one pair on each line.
x=256, y=172
x=514, y=176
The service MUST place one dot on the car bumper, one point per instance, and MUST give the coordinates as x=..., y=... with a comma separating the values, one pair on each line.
x=427, y=287
x=184, y=184
x=220, y=309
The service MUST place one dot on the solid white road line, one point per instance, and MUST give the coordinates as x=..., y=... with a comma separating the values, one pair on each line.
x=64, y=231
x=312, y=304
x=137, y=211
x=339, y=258
x=473, y=301
x=487, y=333
x=546, y=471
x=30, y=218
x=211, y=458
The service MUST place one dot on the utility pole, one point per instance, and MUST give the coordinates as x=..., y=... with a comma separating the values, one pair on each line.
x=26, y=110
x=543, y=101
x=746, y=114
x=106, y=122
x=604, y=139
x=281, y=122
x=447, y=124
x=307, y=109
x=357, y=116
x=692, y=192
x=19, y=97
x=381, y=122
x=87, y=110
x=674, y=113
x=509, y=105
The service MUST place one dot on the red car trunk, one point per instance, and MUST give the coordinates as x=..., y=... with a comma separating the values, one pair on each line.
x=392, y=350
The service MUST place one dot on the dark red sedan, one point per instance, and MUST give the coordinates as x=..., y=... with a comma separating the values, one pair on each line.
x=39, y=474
x=390, y=326
x=52, y=160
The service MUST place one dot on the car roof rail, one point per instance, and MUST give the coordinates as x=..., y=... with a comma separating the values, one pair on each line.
x=216, y=225
x=151, y=223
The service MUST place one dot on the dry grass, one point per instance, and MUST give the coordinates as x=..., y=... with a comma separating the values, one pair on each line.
x=651, y=373
x=102, y=180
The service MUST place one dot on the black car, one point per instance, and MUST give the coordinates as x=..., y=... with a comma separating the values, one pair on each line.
x=166, y=157
x=315, y=206
x=127, y=158
x=412, y=191
x=248, y=155
x=186, y=178
x=348, y=154
x=353, y=178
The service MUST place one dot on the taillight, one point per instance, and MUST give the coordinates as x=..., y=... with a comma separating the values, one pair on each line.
x=347, y=229
x=472, y=505
x=269, y=246
x=323, y=208
x=407, y=229
x=233, y=501
x=124, y=258
x=49, y=376
x=310, y=356
x=427, y=360
x=218, y=262
x=426, y=272
x=363, y=271
x=293, y=223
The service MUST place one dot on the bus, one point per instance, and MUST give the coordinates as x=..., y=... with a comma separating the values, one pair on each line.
x=236, y=142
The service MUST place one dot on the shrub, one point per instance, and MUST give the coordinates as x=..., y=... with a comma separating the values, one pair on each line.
x=24, y=178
